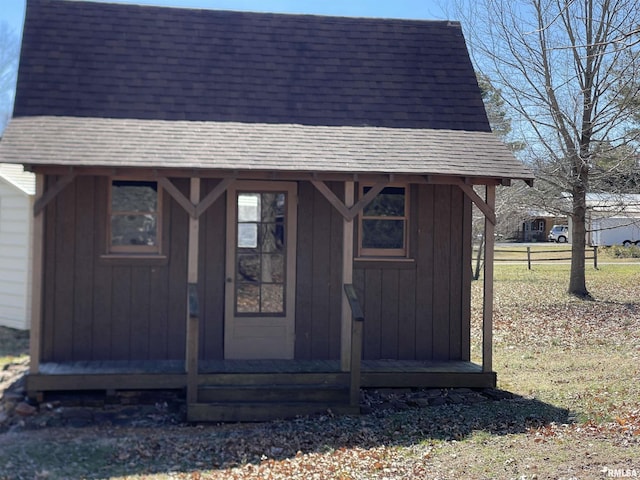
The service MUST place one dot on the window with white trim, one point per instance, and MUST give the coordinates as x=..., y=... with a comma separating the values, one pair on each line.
x=134, y=217
x=383, y=223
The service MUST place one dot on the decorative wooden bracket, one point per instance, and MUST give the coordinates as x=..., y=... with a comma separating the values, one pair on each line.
x=177, y=195
x=489, y=212
x=195, y=210
x=52, y=193
x=349, y=213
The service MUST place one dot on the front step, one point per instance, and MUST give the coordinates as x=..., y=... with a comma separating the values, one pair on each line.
x=273, y=394
x=258, y=398
x=262, y=411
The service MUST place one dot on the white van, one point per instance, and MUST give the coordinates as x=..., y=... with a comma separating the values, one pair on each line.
x=559, y=234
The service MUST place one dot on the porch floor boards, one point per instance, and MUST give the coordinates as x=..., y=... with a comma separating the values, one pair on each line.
x=158, y=375
x=140, y=367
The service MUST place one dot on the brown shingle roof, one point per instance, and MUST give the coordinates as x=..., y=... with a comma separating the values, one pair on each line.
x=256, y=146
x=128, y=85
x=129, y=61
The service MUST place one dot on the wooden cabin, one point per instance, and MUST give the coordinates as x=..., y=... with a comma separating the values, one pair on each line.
x=268, y=211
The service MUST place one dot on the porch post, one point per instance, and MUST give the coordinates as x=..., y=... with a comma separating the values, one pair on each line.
x=347, y=278
x=37, y=250
x=487, y=312
x=193, y=323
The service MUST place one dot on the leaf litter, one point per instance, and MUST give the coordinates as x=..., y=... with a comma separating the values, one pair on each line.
x=580, y=417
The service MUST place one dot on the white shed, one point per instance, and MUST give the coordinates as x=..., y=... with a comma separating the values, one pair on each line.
x=17, y=191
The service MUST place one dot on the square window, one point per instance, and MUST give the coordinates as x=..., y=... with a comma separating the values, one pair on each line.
x=383, y=224
x=134, y=217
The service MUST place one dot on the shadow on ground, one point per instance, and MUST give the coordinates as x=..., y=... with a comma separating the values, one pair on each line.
x=127, y=440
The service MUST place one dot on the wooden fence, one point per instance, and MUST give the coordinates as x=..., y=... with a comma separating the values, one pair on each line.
x=534, y=255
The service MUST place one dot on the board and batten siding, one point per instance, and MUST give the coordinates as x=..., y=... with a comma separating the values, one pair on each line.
x=15, y=256
x=318, y=275
x=98, y=307
x=420, y=309
x=212, y=275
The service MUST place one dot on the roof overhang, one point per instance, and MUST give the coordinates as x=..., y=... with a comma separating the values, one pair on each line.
x=254, y=147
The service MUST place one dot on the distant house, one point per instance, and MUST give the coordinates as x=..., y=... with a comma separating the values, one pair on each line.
x=607, y=212
x=537, y=226
x=267, y=210
x=17, y=191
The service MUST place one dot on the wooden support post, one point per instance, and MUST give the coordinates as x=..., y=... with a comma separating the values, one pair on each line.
x=529, y=258
x=356, y=362
x=595, y=257
x=357, y=320
x=37, y=276
x=347, y=278
x=193, y=323
x=487, y=311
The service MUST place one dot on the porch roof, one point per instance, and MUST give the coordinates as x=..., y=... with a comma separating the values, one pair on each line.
x=108, y=142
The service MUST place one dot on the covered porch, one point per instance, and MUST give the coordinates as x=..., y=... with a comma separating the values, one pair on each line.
x=256, y=390
x=260, y=389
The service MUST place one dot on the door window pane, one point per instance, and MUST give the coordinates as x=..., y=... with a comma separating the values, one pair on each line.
x=273, y=268
x=248, y=298
x=248, y=207
x=272, y=300
x=261, y=260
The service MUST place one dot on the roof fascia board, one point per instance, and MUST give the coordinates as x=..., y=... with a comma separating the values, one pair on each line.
x=374, y=178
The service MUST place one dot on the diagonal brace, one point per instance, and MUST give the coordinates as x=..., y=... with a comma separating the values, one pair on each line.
x=349, y=213
x=195, y=210
x=488, y=211
x=52, y=193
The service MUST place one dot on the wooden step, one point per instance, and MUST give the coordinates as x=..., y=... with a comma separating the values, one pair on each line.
x=331, y=378
x=262, y=411
x=273, y=393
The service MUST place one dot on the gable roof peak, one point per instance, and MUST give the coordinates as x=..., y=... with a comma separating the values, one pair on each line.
x=112, y=60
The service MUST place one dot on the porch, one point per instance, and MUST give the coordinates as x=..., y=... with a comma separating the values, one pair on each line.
x=252, y=390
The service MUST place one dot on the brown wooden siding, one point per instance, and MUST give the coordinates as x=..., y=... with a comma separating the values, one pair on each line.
x=212, y=275
x=99, y=308
x=319, y=274
x=420, y=310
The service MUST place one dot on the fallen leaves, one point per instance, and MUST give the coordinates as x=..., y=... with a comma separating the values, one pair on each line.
x=586, y=354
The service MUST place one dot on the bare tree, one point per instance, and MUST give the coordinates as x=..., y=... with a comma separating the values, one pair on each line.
x=560, y=65
x=500, y=123
x=9, y=51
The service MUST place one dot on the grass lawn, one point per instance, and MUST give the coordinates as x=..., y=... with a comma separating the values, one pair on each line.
x=574, y=366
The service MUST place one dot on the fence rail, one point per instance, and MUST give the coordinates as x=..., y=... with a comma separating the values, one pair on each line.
x=532, y=256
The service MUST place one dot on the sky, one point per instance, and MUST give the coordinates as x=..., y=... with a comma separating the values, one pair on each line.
x=12, y=11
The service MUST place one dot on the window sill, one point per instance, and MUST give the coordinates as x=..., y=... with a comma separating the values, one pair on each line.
x=134, y=259
x=384, y=262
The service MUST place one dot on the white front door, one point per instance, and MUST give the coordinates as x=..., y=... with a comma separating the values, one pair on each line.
x=261, y=253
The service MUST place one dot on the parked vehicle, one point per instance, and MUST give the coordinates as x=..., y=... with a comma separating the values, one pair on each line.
x=615, y=231
x=559, y=234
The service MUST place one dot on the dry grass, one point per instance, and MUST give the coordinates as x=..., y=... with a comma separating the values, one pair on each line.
x=574, y=364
